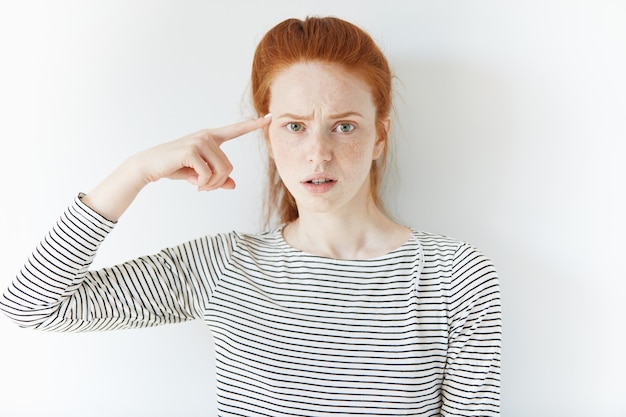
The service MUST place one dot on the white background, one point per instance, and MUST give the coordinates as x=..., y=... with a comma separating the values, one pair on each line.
x=509, y=133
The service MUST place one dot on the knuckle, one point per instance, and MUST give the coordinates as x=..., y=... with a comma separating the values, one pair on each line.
x=199, y=139
x=223, y=168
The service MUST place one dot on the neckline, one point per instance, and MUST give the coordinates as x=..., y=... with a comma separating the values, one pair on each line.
x=412, y=239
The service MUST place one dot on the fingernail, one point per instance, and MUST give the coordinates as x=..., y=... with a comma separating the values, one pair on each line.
x=267, y=116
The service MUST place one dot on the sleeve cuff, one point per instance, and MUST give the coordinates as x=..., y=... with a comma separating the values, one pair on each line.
x=79, y=203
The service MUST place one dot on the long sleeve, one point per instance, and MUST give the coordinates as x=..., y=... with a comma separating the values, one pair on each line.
x=471, y=385
x=56, y=291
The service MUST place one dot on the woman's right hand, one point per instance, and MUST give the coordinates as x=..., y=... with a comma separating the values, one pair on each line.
x=196, y=158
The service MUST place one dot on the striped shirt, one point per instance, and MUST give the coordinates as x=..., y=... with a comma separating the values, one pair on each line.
x=415, y=332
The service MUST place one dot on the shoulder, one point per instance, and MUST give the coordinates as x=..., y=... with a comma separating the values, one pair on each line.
x=221, y=249
x=438, y=251
x=268, y=242
x=268, y=239
x=436, y=243
x=469, y=278
x=446, y=247
x=453, y=259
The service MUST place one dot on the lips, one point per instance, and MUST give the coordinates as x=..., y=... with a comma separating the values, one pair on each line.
x=319, y=183
x=319, y=178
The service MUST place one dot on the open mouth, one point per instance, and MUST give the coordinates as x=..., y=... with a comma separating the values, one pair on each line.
x=320, y=181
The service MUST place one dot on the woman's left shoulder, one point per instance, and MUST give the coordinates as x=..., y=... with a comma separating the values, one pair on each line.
x=443, y=249
x=439, y=244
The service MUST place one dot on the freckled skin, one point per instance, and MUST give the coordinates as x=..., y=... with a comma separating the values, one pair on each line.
x=310, y=104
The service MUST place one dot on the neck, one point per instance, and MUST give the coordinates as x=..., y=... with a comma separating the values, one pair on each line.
x=363, y=235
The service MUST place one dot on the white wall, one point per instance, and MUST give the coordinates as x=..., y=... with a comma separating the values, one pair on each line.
x=510, y=135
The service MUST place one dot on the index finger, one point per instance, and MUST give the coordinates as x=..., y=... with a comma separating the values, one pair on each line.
x=226, y=133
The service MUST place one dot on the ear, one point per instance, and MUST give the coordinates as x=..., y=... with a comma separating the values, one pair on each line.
x=382, y=130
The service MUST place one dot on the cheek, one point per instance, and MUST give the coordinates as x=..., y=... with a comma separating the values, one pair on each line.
x=361, y=151
x=281, y=150
x=284, y=155
x=275, y=147
x=356, y=160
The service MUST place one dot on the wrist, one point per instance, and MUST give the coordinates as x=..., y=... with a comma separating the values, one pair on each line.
x=112, y=196
x=133, y=173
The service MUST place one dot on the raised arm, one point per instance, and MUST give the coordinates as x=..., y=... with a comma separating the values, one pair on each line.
x=196, y=158
x=55, y=290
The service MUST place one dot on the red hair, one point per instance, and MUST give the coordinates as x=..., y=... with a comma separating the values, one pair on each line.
x=329, y=40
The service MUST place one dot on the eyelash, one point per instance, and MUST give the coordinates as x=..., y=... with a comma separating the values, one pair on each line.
x=352, y=127
x=291, y=124
x=292, y=127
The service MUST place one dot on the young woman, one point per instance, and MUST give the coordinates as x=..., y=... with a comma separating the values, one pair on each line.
x=336, y=311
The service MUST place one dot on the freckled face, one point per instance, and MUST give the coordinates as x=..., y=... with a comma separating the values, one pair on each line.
x=323, y=136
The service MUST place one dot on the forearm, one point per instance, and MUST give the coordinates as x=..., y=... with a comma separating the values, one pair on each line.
x=196, y=157
x=111, y=197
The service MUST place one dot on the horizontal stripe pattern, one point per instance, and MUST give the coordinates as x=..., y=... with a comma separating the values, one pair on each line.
x=416, y=332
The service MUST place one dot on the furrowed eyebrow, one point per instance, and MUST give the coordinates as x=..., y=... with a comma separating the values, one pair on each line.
x=346, y=114
x=333, y=116
x=292, y=116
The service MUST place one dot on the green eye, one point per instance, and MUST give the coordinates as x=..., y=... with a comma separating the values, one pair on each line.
x=344, y=127
x=294, y=126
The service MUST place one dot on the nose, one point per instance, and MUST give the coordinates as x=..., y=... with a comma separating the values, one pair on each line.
x=320, y=148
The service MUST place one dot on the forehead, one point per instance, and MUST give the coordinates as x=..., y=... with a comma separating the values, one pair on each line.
x=312, y=85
